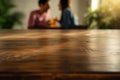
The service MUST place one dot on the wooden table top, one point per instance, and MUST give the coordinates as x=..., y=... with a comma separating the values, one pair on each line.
x=57, y=51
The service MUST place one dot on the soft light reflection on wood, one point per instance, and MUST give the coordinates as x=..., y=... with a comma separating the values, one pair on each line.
x=56, y=51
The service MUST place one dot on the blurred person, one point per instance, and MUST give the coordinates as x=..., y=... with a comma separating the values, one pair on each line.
x=68, y=19
x=40, y=18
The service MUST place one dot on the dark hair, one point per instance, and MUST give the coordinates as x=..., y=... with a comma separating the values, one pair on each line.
x=42, y=2
x=64, y=4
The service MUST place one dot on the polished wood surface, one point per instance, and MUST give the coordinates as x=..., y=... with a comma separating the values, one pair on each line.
x=54, y=52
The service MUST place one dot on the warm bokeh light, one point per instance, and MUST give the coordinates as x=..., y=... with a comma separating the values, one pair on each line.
x=113, y=6
x=94, y=4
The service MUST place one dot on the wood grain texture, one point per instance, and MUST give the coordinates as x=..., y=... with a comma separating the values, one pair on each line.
x=58, y=53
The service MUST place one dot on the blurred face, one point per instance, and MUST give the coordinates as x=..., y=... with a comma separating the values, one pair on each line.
x=45, y=7
x=60, y=6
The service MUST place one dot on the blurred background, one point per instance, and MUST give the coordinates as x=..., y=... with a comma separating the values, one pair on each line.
x=79, y=8
x=96, y=14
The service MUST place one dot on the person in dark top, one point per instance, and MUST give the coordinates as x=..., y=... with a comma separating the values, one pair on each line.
x=67, y=17
x=40, y=18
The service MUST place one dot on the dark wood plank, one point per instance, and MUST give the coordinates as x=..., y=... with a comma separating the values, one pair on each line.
x=60, y=52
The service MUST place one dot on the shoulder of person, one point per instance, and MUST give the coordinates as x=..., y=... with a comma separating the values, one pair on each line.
x=34, y=11
x=68, y=11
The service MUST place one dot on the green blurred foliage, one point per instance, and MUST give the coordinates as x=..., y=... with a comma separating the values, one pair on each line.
x=100, y=18
x=9, y=19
